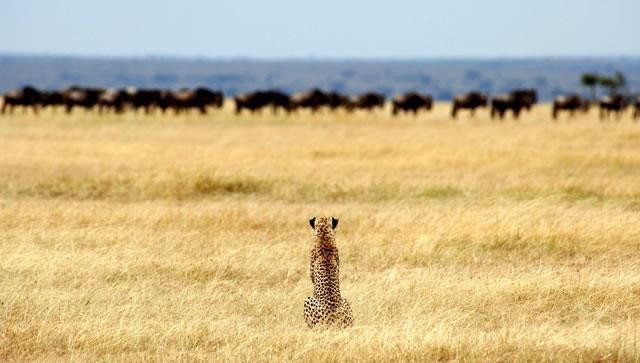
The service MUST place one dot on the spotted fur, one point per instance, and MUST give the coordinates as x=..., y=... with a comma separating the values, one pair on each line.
x=326, y=307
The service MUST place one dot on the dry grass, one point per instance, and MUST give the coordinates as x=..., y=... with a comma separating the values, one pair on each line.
x=186, y=238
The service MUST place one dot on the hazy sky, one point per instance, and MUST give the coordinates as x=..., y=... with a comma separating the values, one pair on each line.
x=328, y=28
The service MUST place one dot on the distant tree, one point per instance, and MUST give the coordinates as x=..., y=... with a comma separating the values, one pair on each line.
x=609, y=83
x=621, y=81
x=613, y=84
x=591, y=81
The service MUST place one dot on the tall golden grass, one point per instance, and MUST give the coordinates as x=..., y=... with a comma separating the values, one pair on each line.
x=185, y=237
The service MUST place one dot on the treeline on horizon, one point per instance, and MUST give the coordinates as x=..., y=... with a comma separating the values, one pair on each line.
x=441, y=78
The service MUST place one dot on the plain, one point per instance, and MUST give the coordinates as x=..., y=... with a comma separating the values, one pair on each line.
x=149, y=238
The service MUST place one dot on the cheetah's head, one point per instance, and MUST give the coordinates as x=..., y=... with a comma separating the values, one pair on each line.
x=324, y=227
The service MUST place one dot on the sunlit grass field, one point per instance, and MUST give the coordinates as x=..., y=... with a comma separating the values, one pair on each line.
x=185, y=237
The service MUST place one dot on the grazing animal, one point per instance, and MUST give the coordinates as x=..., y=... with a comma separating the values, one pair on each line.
x=180, y=101
x=612, y=104
x=367, y=101
x=571, y=103
x=84, y=97
x=411, y=102
x=636, y=112
x=115, y=100
x=25, y=97
x=326, y=307
x=206, y=97
x=249, y=101
x=337, y=100
x=526, y=96
x=502, y=103
x=147, y=99
x=255, y=101
x=516, y=101
x=312, y=99
x=279, y=100
x=186, y=99
x=52, y=99
x=469, y=101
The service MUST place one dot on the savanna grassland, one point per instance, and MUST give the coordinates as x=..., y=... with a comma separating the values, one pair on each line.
x=186, y=238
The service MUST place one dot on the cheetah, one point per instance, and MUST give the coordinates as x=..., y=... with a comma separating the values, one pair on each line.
x=326, y=307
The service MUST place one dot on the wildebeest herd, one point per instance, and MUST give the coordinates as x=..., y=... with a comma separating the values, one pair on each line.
x=201, y=99
x=112, y=100
x=613, y=104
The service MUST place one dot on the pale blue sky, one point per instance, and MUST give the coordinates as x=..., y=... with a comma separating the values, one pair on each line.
x=322, y=29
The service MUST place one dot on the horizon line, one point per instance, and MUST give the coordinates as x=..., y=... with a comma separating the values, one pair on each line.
x=313, y=58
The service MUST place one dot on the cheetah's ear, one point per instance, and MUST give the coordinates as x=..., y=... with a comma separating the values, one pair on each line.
x=334, y=222
x=312, y=222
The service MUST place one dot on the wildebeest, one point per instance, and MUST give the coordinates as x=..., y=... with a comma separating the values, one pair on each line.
x=612, y=104
x=528, y=97
x=313, y=99
x=185, y=99
x=411, y=102
x=84, y=97
x=251, y=101
x=500, y=104
x=26, y=97
x=337, y=100
x=367, y=101
x=469, y=101
x=52, y=98
x=279, y=100
x=255, y=101
x=515, y=101
x=147, y=99
x=204, y=97
x=571, y=103
x=636, y=111
x=116, y=100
